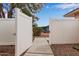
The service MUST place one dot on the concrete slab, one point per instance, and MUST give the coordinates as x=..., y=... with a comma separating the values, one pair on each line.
x=40, y=47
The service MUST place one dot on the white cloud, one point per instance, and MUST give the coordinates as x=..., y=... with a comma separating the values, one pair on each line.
x=67, y=5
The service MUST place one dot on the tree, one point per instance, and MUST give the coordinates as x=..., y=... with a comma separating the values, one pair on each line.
x=36, y=30
x=2, y=15
x=10, y=12
x=27, y=8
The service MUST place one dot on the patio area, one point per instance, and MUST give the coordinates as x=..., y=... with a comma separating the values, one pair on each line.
x=40, y=47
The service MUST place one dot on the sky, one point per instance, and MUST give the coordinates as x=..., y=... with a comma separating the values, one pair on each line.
x=50, y=11
x=6, y=7
x=54, y=11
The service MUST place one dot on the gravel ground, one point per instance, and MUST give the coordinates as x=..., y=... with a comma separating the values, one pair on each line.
x=64, y=50
x=7, y=50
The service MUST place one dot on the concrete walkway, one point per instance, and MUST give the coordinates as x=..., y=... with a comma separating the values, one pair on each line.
x=40, y=47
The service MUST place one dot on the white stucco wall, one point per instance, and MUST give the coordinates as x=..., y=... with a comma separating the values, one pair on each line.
x=24, y=32
x=7, y=30
x=64, y=31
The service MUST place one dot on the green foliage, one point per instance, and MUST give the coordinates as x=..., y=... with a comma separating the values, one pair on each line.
x=36, y=31
x=26, y=12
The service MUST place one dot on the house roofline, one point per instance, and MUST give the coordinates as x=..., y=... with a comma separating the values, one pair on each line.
x=71, y=12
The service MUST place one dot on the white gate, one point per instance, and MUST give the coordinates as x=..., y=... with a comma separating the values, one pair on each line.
x=16, y=31
x=24, y=32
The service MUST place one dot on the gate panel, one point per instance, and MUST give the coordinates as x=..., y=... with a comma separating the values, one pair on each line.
x=24, y=33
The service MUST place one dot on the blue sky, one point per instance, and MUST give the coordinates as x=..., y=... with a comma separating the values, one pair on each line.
x=54, y=10
x=50, y=10
x=6, y=7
